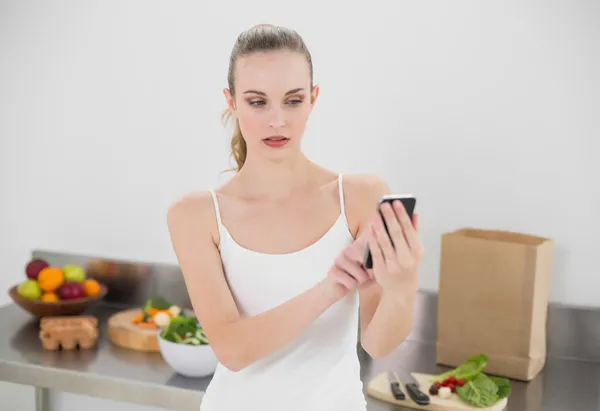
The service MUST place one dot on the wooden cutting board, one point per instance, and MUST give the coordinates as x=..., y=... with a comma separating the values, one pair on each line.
x=379, y=388
x=125, y=334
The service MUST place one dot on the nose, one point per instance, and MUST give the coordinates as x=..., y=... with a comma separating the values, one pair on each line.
x=277, y=119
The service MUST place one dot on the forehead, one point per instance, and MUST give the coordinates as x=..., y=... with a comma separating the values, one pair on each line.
x=273, y=72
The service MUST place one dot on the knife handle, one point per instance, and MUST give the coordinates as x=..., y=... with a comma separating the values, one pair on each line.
x=416, y=394
x=396, y=391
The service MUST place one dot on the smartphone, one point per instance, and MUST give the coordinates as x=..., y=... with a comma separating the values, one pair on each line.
x=408, y=200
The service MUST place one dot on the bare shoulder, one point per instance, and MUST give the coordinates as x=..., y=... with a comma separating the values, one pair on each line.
x=193, y=211
x=365, y=185
x=362, y=192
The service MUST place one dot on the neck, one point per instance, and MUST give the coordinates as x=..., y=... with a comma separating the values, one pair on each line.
x=276, y=180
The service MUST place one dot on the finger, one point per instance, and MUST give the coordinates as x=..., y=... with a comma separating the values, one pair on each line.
x=376, y=253
x=395, y=229
x=360, y=244
x=415, y=221
x=384, y=242
x=362, y=238
x=351, y=266
x=356, y=252
x=407, y=225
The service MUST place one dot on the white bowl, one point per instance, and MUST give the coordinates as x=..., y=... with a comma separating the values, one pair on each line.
x=188, y=360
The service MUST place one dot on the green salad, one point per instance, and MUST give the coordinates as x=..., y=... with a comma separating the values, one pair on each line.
x=472, y=385
x=184, y=330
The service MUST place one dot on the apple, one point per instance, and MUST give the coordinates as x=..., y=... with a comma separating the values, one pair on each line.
x=71, y=290
x=30, y=289
x=74, y=273
x=34, y=267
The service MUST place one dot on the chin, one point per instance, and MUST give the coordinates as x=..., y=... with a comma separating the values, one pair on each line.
x=279, y=153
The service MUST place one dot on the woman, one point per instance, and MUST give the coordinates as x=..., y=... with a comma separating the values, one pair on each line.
x=270, y=258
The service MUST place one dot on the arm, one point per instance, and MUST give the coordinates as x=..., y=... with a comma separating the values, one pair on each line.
x=385, y=314
x=237, y=342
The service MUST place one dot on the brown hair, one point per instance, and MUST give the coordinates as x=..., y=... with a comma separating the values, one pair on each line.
x=262, y=37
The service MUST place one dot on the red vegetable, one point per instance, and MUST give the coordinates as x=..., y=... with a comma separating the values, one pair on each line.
x=461, y=382
x=433, y=390
x=452, y=387
x=452, y=379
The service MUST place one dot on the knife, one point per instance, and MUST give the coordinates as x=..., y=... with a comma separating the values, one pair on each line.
x=412, y=387
x=395, y=386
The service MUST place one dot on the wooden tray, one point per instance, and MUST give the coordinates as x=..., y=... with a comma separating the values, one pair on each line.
x=124, y=333
x=379, y=388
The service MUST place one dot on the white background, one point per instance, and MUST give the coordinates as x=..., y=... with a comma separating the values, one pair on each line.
x=488, y=111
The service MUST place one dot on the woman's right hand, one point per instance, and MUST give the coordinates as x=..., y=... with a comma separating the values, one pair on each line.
x=347, y=272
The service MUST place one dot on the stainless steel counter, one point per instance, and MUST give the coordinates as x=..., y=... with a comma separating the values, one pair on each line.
x=570, y=380
x=114, y=373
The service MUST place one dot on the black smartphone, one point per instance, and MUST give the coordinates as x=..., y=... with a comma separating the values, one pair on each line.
x=408, y=200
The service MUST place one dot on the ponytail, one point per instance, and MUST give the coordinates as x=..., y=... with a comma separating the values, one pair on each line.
x=238, y=144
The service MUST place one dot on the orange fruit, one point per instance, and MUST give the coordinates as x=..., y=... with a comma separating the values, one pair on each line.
x=50, y=297
x=50, y=278
x=91, y=287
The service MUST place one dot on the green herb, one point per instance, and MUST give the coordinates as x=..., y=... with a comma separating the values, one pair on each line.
x=466, y=371
x=185, y=330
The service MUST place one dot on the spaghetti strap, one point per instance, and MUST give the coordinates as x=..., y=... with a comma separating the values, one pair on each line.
x=341, y=191
x=217, y=211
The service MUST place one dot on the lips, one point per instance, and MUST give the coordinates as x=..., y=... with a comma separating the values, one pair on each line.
x=276, y=141
x=276, y=138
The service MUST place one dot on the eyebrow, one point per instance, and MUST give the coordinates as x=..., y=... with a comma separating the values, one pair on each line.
x=260, y=93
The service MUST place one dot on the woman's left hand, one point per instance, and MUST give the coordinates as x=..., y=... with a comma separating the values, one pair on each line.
x=395, y=267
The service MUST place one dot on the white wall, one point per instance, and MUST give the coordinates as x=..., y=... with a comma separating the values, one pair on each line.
x=488, y=111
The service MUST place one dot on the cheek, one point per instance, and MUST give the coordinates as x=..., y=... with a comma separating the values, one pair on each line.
x=299, y=116
x=251, y=122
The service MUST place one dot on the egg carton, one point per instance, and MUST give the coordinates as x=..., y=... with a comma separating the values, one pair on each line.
x=69, y=333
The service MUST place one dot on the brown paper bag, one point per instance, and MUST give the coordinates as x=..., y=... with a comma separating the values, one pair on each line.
x=493, y=299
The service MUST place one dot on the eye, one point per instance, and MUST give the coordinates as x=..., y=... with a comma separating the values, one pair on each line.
x=257, y=103
x=295, y=101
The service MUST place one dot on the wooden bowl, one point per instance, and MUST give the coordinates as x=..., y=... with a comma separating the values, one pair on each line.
x=56, y=308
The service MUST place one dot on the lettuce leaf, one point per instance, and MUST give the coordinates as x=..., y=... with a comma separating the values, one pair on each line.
x=466, y=371
x=484, y=391
x=480, y=392
x=503, y=385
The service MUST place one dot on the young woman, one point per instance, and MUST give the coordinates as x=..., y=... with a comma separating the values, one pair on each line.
x=272, y=259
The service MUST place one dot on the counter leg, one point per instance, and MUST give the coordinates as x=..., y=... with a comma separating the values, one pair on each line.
x=42, y=399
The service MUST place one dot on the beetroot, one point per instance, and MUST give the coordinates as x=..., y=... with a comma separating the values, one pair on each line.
x=71, y=290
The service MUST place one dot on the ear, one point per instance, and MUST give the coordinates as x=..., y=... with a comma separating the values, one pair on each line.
x=229, y=99
x=314, y=94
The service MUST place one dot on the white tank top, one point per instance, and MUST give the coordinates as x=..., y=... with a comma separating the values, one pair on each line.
x=319, y=370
